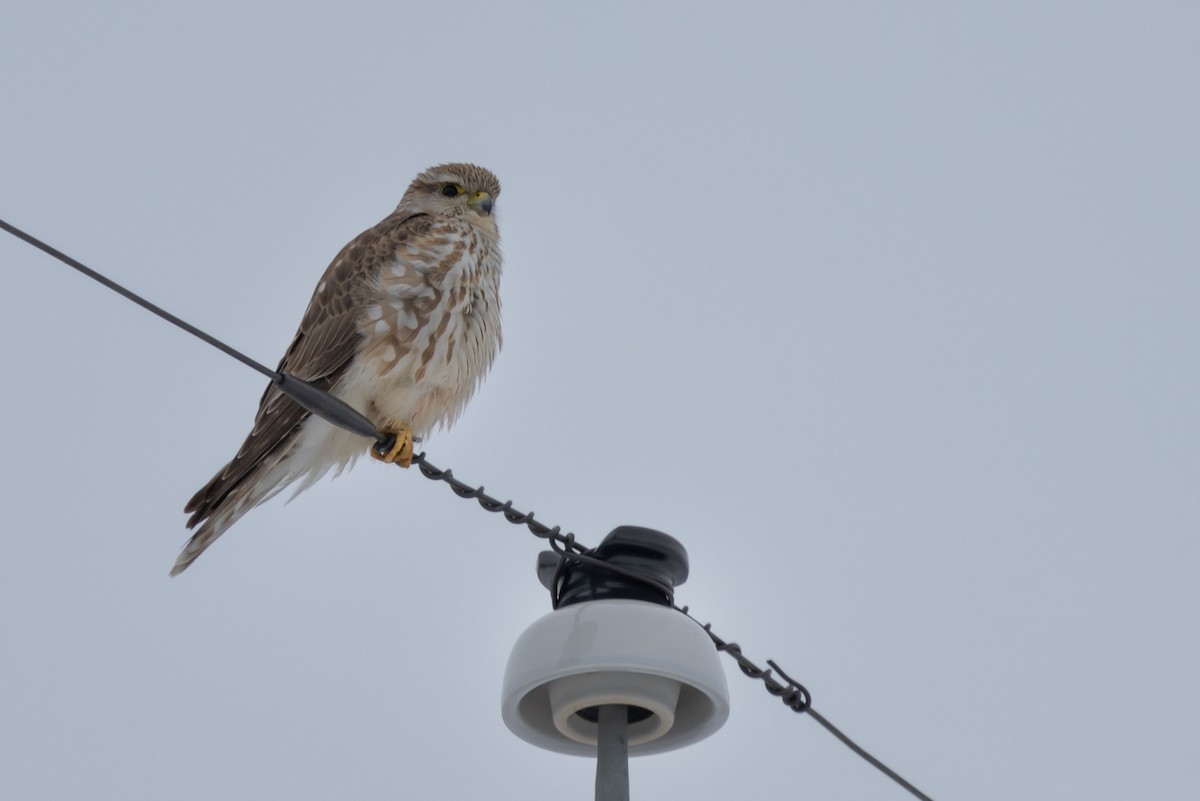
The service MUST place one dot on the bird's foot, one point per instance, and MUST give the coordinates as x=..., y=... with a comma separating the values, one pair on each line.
x=401, y=449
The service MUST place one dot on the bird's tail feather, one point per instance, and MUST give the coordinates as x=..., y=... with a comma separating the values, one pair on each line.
x=216, y=518
x=233, y=507
x=236, y=489
x=204, y=537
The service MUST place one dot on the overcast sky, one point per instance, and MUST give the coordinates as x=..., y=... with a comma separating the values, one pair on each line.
x=887, y=311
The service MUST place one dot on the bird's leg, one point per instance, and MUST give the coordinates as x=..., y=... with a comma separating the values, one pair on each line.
x=401, y=450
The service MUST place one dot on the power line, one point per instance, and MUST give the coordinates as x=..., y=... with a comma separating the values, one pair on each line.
x=317, y=401
x=856, y=748
x=139, y=300
x=339, y=413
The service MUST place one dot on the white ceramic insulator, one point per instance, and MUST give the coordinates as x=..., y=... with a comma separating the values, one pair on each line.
x=634, y=653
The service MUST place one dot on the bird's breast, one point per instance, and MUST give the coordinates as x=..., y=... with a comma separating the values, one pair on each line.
x=432, y=328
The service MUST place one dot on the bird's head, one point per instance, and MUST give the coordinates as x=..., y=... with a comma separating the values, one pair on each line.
x=459, y=190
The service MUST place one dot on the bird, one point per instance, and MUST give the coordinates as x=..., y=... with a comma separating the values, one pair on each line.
x=403, y=326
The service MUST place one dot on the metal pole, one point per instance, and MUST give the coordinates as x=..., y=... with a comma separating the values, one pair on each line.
x=612, y=753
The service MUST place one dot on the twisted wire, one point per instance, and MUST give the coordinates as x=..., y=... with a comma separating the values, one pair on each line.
x=793, y=694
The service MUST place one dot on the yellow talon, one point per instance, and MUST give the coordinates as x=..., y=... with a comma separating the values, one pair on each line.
x=401, y=452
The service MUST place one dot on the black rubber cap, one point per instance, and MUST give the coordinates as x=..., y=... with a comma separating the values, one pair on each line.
x=650, y=553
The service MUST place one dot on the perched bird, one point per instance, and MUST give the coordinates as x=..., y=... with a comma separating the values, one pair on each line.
x=402, y=326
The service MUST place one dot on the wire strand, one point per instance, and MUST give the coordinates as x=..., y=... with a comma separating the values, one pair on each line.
x=312, y=398
x=336, y=411
x=862, y=752
x=139, y=300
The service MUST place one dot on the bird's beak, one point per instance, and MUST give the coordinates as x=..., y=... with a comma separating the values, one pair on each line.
x=481, y=202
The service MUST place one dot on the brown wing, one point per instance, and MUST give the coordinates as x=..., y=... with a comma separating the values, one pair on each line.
x=324, y=346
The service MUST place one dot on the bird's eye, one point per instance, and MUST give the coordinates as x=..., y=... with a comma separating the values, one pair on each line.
x=450, y=190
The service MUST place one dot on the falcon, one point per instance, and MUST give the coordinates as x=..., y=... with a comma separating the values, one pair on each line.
x=402, y=326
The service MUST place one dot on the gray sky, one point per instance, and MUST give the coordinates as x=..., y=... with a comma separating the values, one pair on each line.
x=887, y=311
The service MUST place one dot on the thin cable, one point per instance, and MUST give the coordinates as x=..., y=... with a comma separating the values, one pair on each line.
x=336, y=411
x=139, y=300
x=856, y=748
x=313, y=398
